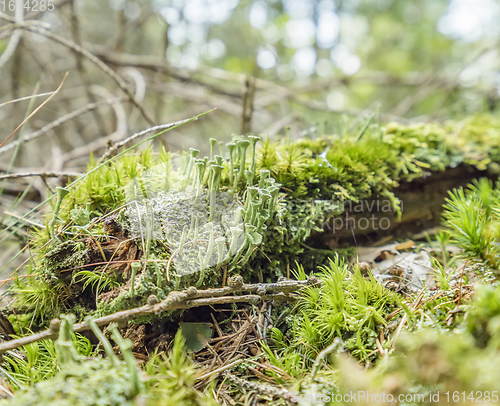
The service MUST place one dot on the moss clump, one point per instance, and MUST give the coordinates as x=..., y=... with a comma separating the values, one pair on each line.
x=483, y=318
x=434, y=365
x=83, y=381
x=79, y=380
x=473, y=218
x=279, y=194
x=428, y=368
x=172, y=377
x=69, y=254
x=347, y=306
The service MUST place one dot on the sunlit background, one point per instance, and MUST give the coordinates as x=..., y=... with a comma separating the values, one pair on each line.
x=299, y=41
x=316, y=60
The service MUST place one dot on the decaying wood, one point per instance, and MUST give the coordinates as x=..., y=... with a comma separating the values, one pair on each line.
x=422, y=202
x=186, y=299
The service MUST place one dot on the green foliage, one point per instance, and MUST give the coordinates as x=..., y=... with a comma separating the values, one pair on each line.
x=315, y=175
x=440, y=275
x=79, y=380
x=41, y=296
x=473, y=217
x=458, y=361
x=37, y=362
x=346, y=306
x=171, y=379
x=429, y=362
x=97, y=281
x=483, y=317
x=75, y=380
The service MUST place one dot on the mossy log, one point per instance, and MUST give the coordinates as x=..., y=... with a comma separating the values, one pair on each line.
x=373, y=219
x=280, y=197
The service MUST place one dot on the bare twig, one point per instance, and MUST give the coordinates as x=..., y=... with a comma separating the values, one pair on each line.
x=7, y=17
x=36, y=110
x=216, y=372
x=42, y=175
x=274, y=391
x=75, y=30
x=248, y=98
x=27, y=221
x=5, y=31
x=120, y=144
x=26, y=98
x=186, y=299
x=15, y=37
x=205, y=78
x=60, y=121
x=100, y=64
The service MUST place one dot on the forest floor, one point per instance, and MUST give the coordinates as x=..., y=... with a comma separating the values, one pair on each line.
x=354, y=267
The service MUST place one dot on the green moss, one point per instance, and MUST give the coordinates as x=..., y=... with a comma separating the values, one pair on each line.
x=41, y=297
x=64, y=256
x=81, y=381
x=286, y=190
x=483, y=317
x=434, y=359
x=347, y=306
x=275, y=198
x=473, y=218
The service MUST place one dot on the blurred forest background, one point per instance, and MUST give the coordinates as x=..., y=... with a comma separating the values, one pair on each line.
x=266, y=65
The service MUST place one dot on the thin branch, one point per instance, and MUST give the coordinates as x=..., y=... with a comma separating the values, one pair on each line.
x=75, y=28
x=27, y=221
x=205, y=78
x=26, y=98
x=36, y=110
x=7, y=17
x=110, y=151
x=41, y=174
x=248, y=105
x=100, y=64
x=60, y=121
x=6, y=29
x=186, y=299
x=15, y=37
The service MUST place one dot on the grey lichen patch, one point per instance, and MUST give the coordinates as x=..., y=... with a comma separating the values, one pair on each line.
x=191, y=231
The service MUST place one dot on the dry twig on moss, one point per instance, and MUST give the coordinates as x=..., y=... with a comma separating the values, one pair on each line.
x=42, y=175
x=187, y=299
